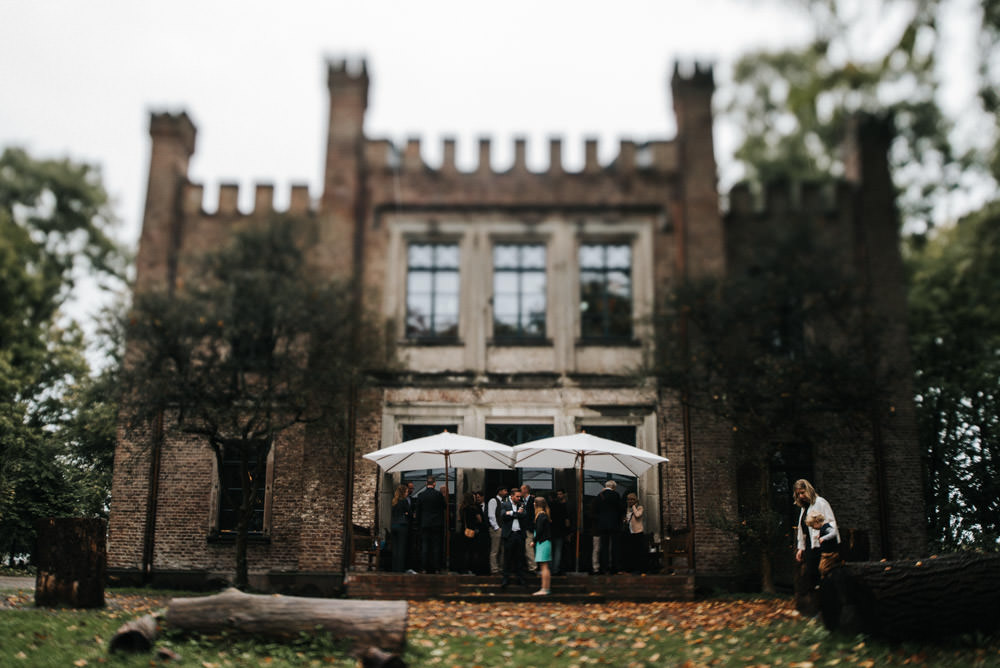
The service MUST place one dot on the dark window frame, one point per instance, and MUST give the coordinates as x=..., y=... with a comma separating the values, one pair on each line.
x=597, y=320
x=231, y=491
x=430, y=332
x=521, y=271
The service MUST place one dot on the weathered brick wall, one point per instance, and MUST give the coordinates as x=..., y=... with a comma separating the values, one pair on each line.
x=129, y=494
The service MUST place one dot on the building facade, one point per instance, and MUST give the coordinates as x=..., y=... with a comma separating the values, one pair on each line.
x=522, y=303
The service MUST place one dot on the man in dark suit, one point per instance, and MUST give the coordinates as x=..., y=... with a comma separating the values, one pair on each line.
x=482, y=563
x=559, y=513
x=513, y=514
x=609, y=514
x=430, y=516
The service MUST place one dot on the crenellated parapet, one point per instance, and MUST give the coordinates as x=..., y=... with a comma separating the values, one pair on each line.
x=657, y=156
x=695, y=75
x=299, y=203
x=783, y=198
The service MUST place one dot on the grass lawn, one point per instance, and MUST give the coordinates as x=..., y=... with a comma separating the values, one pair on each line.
x=716, y=632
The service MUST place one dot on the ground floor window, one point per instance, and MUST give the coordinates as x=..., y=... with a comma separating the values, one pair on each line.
x=593, y=481
x=419, y=476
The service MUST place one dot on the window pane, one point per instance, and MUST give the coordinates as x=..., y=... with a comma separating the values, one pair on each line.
x=446, y=255
x=446, y=283
x=504, y=256
x=605, y=291
x=231, y=495
x=505, y=307
x=519, y=290
x=420, y=255
x=534, y=284
x=533, y=257
x=432, y=285
x=591, y=256
x=505, y=282
x=418, y=282
x=619, y=257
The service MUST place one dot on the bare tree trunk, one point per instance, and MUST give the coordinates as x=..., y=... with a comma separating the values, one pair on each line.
x=766, y=571
x=378, y=623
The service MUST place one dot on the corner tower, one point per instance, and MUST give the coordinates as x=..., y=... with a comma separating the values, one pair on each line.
x=173, y=137
x=343, y=205
x=702, y=247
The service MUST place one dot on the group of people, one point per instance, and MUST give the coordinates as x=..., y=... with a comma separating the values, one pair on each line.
x=619, y=542
x=514, y=532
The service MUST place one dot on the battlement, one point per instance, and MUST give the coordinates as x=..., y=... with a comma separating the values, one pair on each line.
x=347, y=71
x=658, y=156
x=783, y=197
x=299, y=203
x=175, y=127
x=694, y=75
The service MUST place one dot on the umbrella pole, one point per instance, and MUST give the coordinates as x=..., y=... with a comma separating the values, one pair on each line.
x=447, y=524
x=579, y=515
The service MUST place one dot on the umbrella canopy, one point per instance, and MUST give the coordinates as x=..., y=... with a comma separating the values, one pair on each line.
x=585, y=451
x=448, y=450
x=429, y=452
x=581, y=451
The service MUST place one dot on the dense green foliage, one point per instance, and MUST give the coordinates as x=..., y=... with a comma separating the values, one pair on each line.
x=955, y=326
x=54, y=228
x=250, y=347
x=792, y=106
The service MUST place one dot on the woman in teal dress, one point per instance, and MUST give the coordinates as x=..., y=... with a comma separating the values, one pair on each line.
x=543, y=544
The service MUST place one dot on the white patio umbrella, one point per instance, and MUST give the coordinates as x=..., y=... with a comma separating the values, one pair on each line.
x=581, y=451
x=452, y=450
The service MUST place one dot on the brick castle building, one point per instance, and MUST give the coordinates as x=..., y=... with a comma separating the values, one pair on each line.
x=523, y=302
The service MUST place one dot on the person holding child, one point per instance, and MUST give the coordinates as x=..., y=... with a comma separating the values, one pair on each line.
x=808, y=545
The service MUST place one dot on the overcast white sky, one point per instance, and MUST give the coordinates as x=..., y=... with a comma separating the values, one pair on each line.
x=78, y=78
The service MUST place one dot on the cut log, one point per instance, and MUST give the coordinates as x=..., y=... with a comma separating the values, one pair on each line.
x=914, y=599
x=373, y=657
x=378, y=623
x=135, y=636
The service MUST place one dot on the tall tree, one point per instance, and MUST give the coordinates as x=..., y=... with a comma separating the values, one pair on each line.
x=252, y=345
x=881, y=56
x=955, y=333
x=771, y=349
x=55, y=225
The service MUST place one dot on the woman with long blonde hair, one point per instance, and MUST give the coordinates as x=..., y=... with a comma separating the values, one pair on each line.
x=543, y=544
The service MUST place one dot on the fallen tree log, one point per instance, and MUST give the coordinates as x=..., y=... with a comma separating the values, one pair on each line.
x=378, y=623
x=916, y=598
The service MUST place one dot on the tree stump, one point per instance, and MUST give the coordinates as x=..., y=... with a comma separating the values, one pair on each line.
x=916, y=598
x=378, y=623
x=71, y=558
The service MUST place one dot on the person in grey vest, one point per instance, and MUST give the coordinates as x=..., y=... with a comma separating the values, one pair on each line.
x=496, y=538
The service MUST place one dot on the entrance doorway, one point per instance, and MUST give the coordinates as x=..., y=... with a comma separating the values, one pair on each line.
x=540, y=480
